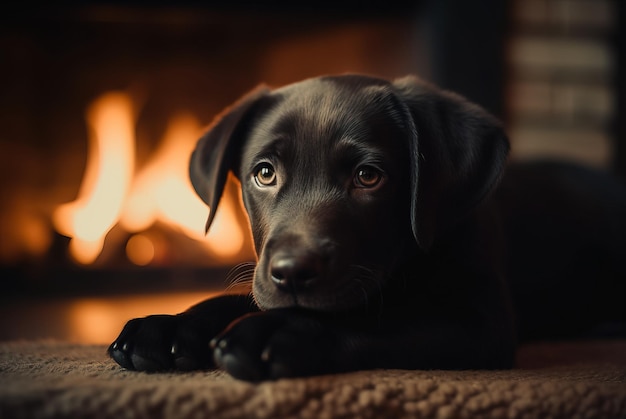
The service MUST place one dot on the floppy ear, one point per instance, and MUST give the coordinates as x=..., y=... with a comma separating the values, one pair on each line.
x=217, y=150
x=460, y=156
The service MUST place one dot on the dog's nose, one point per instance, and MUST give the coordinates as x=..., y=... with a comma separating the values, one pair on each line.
x=292, y=271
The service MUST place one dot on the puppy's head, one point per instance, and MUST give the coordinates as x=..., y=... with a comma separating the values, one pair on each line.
x=341, y=176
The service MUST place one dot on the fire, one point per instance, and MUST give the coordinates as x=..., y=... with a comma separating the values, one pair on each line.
x=110, y=165
x=163, y=192
x=113, y=192
x=161, y=183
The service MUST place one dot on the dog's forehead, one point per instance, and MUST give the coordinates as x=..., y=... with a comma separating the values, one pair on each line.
x=326, y=108
x=330, y=97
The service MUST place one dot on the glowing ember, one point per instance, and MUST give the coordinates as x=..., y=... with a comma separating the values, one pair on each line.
x=140, y=249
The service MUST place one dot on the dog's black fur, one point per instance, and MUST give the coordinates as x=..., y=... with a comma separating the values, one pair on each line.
x=378, y=239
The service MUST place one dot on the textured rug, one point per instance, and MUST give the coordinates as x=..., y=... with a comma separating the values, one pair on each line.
x=567, y=380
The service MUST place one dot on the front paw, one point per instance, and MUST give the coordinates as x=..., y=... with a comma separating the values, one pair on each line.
x=163, y=342
x=276, y=344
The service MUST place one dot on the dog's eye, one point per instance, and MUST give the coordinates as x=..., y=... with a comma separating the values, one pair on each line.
x=367, y=177
x=265, y=175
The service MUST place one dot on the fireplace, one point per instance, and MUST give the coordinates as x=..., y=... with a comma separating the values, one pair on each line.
x=101, y=108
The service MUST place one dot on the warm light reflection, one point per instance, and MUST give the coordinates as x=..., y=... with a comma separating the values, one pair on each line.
x=100, y=320
x=110, y=165
x=161, y=191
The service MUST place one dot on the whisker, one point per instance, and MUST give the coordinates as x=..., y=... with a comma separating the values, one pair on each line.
x=240, y=276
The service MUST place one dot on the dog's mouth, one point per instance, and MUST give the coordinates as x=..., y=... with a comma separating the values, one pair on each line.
x=359, y=287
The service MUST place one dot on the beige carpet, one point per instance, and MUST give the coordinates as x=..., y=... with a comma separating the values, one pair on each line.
x=56, y=380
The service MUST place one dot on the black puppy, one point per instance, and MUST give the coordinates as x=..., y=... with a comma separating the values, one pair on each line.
x=377, y=244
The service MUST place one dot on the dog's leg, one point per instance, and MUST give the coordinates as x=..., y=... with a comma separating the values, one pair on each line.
x=167, y=342
x=291, y=343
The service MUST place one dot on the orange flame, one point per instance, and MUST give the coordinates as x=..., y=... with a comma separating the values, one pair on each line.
x=160, y=191
x=110, y=165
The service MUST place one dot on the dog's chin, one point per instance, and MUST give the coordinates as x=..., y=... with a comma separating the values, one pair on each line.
x=269, y=298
